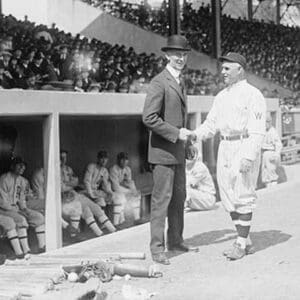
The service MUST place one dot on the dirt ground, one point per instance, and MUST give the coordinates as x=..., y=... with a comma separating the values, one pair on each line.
x=273, y=272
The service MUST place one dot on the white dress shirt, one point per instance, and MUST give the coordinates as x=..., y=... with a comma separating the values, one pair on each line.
x=175, y=73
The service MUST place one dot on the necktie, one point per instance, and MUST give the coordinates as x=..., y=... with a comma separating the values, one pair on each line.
x=181, y=83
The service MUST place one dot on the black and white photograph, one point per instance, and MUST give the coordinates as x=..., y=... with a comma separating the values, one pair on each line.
x=149, y=149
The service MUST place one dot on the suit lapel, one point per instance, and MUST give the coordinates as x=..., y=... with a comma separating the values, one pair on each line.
x=174, y=85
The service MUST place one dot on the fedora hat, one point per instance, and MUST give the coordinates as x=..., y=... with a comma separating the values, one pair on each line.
x=177, y=42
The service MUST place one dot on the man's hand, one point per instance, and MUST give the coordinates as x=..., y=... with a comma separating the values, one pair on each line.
x=193, y=137
x=185, y=134
x=245, y=166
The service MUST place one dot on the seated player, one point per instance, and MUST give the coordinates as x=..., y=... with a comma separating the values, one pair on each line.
x=122, y=182
x=90, y=210
x=11, y=232
x=36, y=200
x=71, y=209
x=14, y=189
x=271, y=149
x=200, y=188
x=98, y=188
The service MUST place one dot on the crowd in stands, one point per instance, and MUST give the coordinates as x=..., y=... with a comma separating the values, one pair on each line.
x=37, y=57
x=32, y=56
x=272, y=51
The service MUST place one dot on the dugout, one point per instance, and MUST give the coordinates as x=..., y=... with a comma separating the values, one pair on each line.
x=22, y=136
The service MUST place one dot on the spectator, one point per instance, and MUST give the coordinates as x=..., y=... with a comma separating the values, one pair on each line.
x=272, y=50
x=29, y=82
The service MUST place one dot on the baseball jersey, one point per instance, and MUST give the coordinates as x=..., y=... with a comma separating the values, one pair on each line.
x=38, y=183
x=13, y=191
x=237, y=109
x=94, y=178
x=198, y=177
x=68, y=178
x=118, y=175
x=272, y=141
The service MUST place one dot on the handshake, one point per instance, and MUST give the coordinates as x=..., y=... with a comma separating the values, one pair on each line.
x=187, y=135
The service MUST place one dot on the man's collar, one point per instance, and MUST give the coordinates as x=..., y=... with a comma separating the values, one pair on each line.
x=173, y=72
x=238, y=83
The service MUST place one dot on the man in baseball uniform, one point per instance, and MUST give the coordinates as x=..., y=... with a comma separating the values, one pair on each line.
x=71, y=209
x=271, y=150
x=122, y=183
x=90, y=210
x=200, y=188
x=239, y=114
x=14, y=189
x=98, y=188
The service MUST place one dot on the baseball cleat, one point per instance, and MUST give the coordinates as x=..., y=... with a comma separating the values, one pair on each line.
x=249, y=250
x=236, y=253
x=228, y=251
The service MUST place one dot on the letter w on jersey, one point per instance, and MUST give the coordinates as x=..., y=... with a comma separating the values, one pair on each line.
x=258, y=115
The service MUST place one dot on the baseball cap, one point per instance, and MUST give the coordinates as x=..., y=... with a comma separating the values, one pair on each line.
x=234, y=57
x=17, y=160
x=122, y=155
x=102, y=154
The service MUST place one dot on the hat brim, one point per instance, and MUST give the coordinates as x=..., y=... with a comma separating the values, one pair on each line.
x=164, y=49
x=226, y=59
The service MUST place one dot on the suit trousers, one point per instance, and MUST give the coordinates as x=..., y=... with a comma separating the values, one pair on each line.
x=167, y=200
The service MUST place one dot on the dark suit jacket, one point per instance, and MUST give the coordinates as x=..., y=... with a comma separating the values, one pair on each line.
x=165, y=112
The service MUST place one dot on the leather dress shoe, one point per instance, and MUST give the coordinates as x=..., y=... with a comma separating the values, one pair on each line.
x=183, y=248
x=160, y=258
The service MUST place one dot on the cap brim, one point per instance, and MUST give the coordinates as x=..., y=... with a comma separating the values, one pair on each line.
x=164, y=49
x=224, y=58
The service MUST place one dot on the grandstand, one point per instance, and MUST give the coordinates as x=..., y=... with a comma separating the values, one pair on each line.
x=265, y=60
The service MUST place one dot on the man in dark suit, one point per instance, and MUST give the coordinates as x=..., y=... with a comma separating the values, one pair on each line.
x=165, y=115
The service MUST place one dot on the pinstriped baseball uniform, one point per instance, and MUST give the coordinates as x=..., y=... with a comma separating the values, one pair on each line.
x=238, y=109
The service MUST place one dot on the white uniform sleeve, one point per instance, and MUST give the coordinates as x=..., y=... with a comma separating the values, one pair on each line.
x=277, y=142
x=208, y=128
x=256, y=127
x=4, y=195
x=113, y=173
x=197, y=174
x=87, y=180
x=25, y=192
x=73, y=179
x=38, y=183
x=106, y=185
